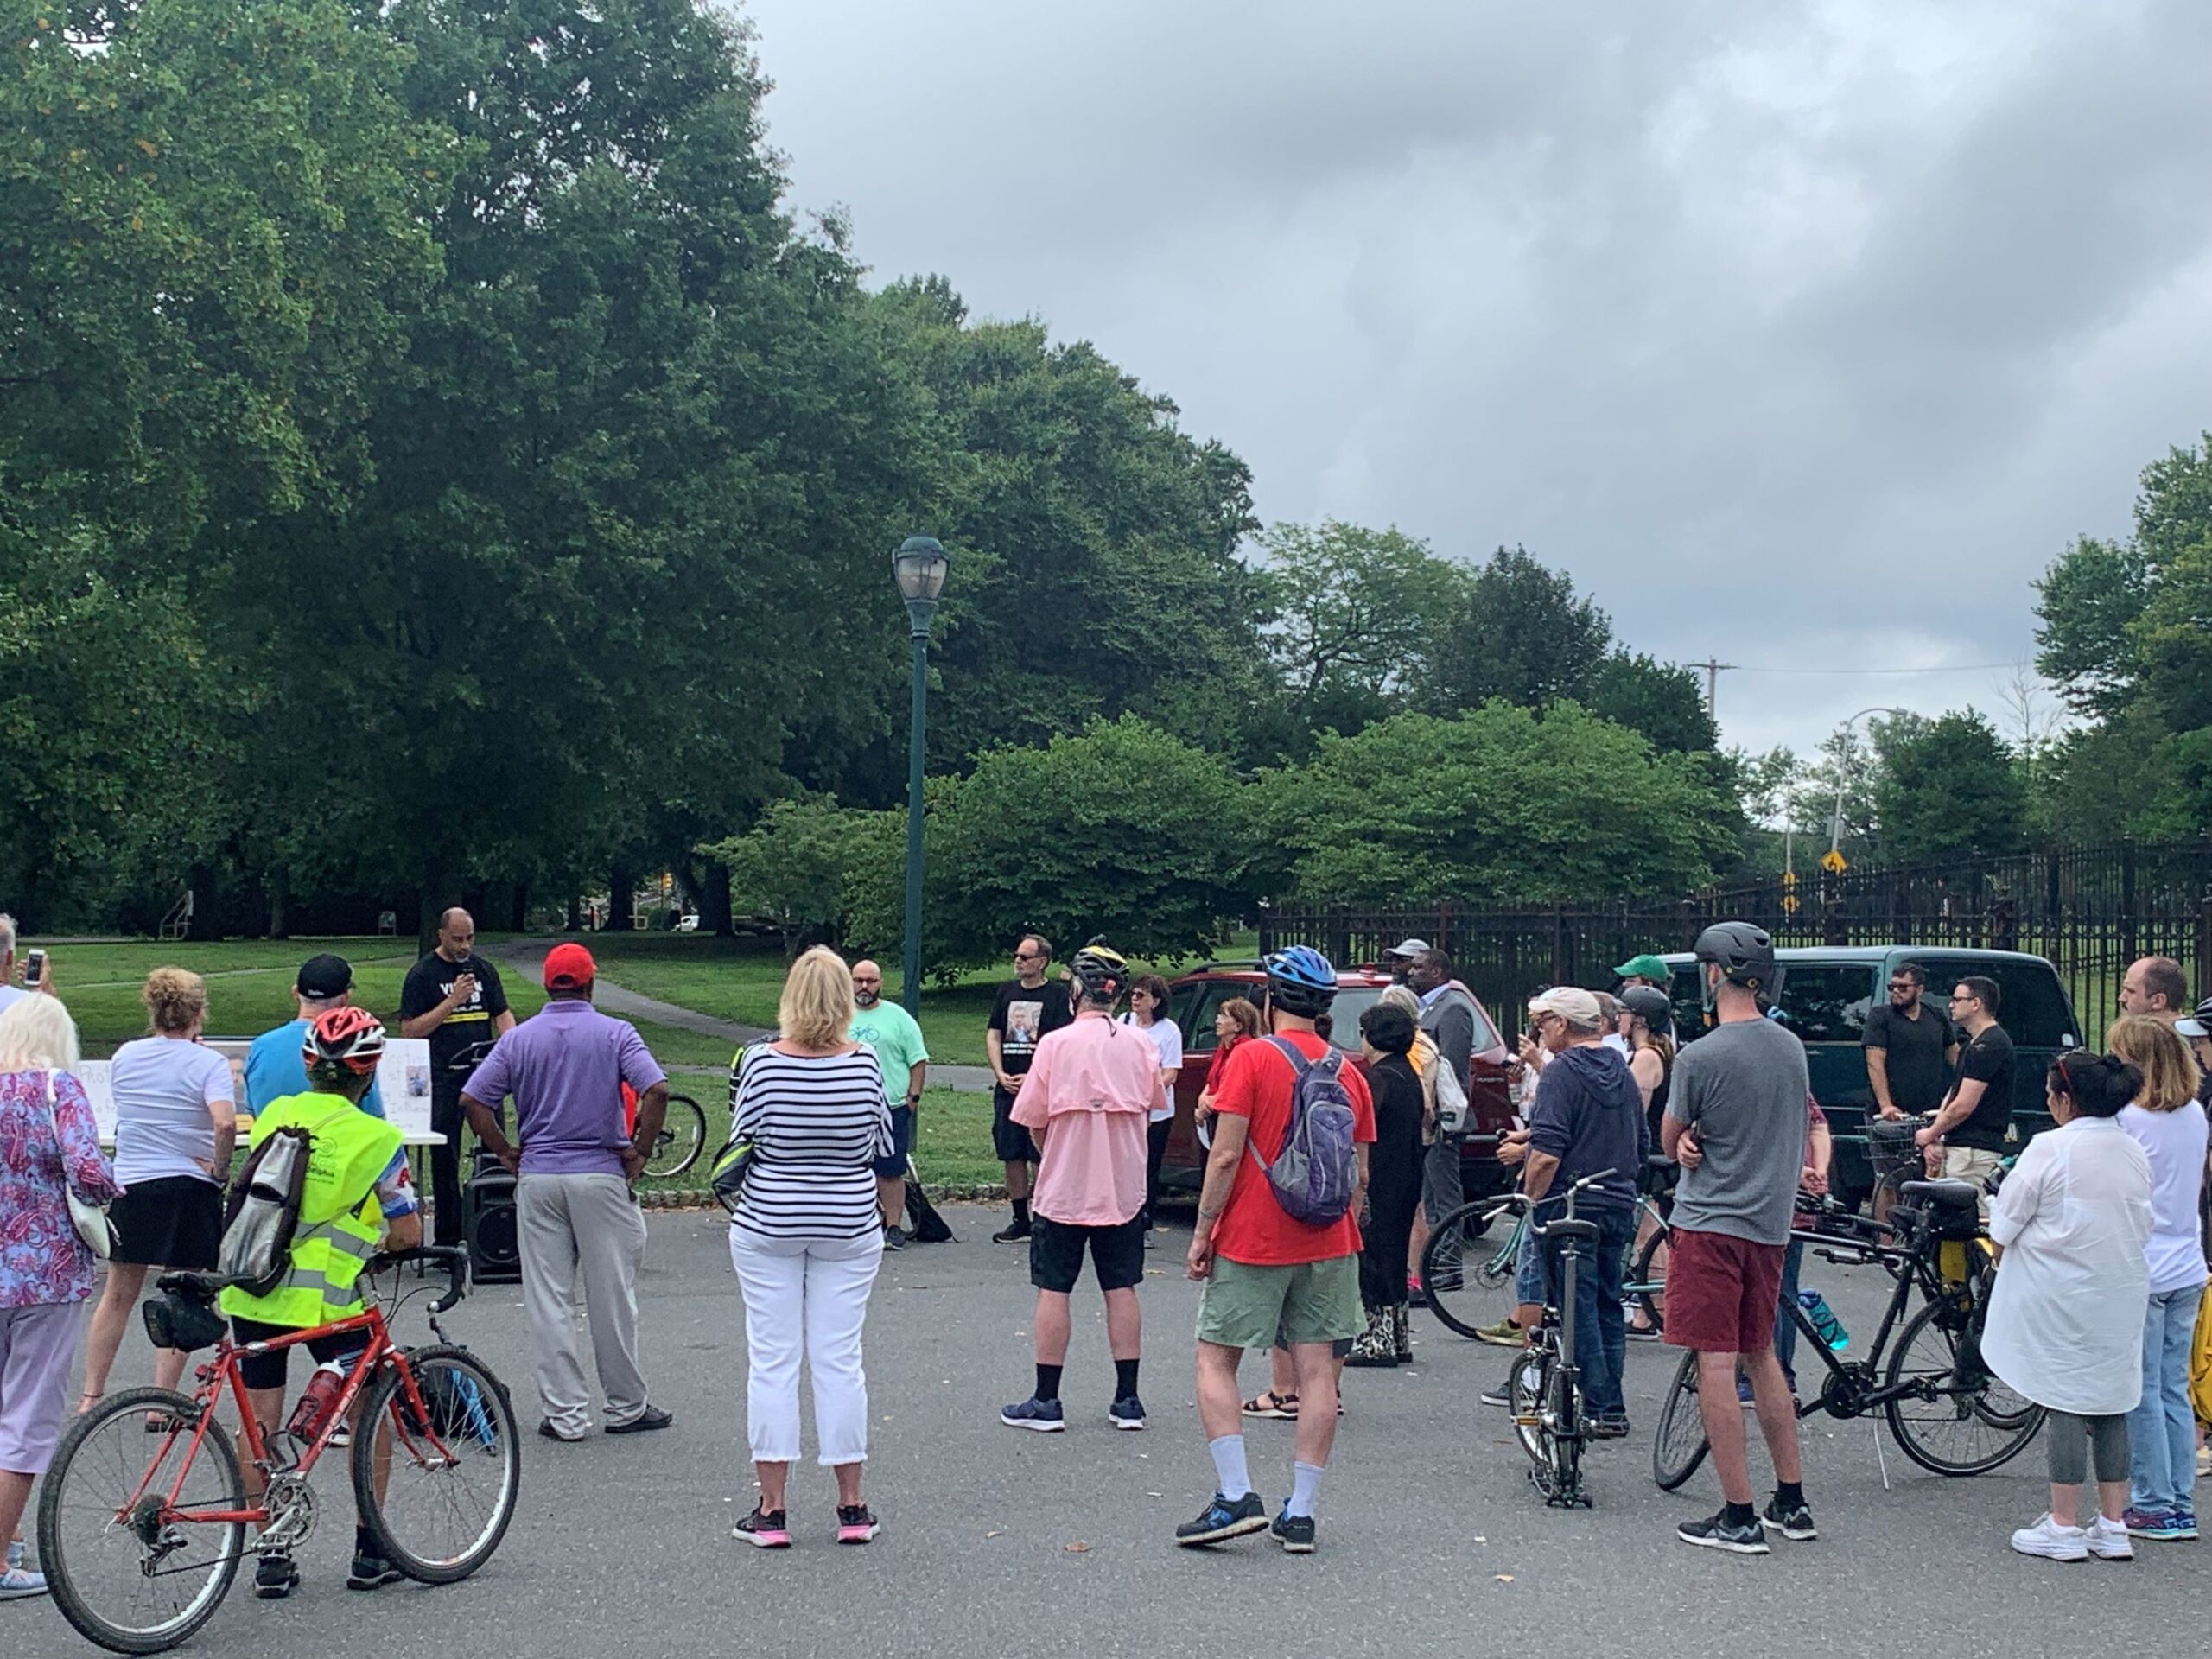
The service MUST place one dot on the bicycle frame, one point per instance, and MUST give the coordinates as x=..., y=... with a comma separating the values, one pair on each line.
x=1911, y=1265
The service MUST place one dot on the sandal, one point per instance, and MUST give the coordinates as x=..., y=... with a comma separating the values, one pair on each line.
x=1269, y=1404
x=87, y=1399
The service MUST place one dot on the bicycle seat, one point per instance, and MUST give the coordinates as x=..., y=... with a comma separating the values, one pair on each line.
x=195, y=1287
x=1657, y=1160
x=1953, y=1193
x=1565, y=1229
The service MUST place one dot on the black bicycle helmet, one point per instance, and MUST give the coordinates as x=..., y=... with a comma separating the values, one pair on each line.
x=1648, y=1004
x=1746, y=954
x=1102, y=970
x=1300, y=982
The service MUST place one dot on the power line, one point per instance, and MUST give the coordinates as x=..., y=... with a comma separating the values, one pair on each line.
x=1948, y=668
x=1713, y=670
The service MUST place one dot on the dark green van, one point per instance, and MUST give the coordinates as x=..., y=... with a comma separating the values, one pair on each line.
x=1826, y=992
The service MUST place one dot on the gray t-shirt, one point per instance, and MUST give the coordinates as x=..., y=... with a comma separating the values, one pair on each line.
x=1742, y=1087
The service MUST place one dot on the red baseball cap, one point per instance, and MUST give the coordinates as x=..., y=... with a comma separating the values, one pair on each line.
x=569, y=967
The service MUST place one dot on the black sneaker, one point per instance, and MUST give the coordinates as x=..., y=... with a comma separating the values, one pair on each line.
x=652, y=1418
x=1608, y=1426
x=1794, y=1523
x=1013, y=1233
x=856, y=1523
x=1715, y=1533
x=1127, y=1413
x=763, y=1530
x=275, y=1577
x=1223, y=1519
x=1293, y=1532
x=894, y=1239
x=371, y=1572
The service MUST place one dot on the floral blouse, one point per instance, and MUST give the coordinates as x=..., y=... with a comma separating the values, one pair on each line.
x=43, y=1261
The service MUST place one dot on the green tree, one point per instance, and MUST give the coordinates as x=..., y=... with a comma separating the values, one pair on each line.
x=790, y=868
x=1659, y=699
x=1497, y=805
x=1523, y=634
x=1950, y=789
x=2088, y=602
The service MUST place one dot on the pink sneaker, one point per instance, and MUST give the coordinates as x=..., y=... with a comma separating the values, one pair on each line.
x=764, y=1529
x=856, y=1523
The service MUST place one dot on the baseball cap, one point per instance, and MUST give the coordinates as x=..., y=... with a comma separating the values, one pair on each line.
x=1577, y=1007
x=325, y=977
x=1409, y=948
x=569, y=967
x=2198, y=1023
x=1644, y=967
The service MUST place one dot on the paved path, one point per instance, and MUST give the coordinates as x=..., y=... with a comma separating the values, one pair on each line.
x=613, y=997
x=1001, y=1545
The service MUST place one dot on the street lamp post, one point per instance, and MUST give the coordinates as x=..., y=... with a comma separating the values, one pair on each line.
x=919, y=566
x=1843, y=776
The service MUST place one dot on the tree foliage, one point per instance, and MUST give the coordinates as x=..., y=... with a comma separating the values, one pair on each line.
x=1950, y=789
x=791, y=867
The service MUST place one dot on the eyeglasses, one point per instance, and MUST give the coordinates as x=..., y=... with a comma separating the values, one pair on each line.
x=1029, y=956
x=1903, y=985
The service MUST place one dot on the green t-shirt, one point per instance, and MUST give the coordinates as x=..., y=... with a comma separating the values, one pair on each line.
x=891, y=1031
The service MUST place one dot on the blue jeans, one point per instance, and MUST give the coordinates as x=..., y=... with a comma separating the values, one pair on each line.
x=2162, y=1429
x=1785, y=1328
x=1601, y=1327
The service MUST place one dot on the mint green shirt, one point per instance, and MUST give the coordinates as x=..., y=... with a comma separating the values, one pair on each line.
x=891, y=1031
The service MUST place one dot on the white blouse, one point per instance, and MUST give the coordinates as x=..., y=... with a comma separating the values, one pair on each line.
x=2066, y=1320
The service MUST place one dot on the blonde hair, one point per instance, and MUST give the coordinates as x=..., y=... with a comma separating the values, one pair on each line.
x=174, y=997
x=37, y=1034
x=817, y=1007
x=2156, y=1049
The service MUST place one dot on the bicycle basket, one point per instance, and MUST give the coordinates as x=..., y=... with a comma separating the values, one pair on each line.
x=1890, y=1151
x=174, y=1321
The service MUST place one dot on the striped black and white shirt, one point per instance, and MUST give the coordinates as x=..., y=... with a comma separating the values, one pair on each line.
x=817, y=1126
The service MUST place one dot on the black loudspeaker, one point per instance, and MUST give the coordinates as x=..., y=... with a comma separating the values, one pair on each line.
x=487, y=1220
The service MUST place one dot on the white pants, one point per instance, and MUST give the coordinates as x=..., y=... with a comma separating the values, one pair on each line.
x=809, y=1294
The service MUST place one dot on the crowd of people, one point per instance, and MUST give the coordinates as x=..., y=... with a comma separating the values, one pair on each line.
x=1319, y=1180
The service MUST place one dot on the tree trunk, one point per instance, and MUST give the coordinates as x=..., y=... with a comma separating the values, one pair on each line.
x=519, y=912
x=206, y=922
x=575, y=922
x=280, y=899
x=621, y=892
x=713, y=902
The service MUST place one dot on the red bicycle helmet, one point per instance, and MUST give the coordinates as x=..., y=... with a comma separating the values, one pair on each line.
x=351, y=1037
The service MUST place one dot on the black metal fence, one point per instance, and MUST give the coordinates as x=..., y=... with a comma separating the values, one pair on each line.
x=2090, y=910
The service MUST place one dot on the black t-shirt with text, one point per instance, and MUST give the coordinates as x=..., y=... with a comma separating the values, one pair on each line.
x=1918, y=1072
x=1022, y=1016
x=429, y=981
x=1987, y=1058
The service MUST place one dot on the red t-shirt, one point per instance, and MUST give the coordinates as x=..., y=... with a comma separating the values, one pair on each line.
x=1256, y=1084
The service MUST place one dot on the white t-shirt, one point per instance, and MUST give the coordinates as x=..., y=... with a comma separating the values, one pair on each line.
x=2175, y=1143
x=1167, y=1037
x=9, y=995
x=1617, y=1043
x=2066, y=1318
x=162, y=1088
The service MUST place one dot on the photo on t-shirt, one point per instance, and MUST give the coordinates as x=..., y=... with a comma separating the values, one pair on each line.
x=1022, y=1021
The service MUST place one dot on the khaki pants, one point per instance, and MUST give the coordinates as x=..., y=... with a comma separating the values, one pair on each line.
x=1973, y=1164
x=587, y=1227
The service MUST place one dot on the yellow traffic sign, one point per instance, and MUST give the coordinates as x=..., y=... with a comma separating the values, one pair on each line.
x=1790, y=878
x=1834, y=863
x=1790, y=902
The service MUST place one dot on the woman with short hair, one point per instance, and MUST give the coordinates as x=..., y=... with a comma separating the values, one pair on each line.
x=806, y=1239
x=175, y=1123
x=1393, y=1185
x=1148, y=1013
x=2166, y=1121
x=48, y=1146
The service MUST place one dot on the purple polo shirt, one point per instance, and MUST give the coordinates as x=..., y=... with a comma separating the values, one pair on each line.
x=565, y=1066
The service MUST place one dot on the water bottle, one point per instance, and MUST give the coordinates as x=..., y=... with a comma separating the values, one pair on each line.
x=314, y=1409
x=1825, y=1322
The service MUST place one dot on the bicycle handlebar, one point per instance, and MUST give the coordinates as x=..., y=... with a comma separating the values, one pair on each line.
x=453, y=1258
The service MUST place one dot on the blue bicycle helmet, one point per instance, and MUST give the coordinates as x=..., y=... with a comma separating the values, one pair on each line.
x=1300, y=982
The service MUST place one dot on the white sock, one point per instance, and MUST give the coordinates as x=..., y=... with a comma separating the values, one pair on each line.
x=1229, y=1465
x=1304, y=1488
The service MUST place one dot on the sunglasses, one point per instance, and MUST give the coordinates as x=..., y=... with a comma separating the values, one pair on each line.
x=1903, y=985
x=1029, y=956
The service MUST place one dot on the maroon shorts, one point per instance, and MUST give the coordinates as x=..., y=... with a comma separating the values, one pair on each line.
x=1722, y=1292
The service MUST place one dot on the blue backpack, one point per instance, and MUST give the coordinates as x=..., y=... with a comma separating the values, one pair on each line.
x=1314, y=1175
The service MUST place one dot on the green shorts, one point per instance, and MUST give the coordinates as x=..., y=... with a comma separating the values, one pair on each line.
x=1243, y=1306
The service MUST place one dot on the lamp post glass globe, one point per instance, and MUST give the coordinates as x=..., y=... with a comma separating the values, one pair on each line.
x=919, y=565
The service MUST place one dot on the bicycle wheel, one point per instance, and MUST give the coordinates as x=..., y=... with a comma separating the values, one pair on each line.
x=1467, y=1295
x=1961, y=1431
x=1680, y=1445
x=128, y=1565
x=682, y=1137
x=438, y=1490
x=1529, y=1393
x=1644, y=1281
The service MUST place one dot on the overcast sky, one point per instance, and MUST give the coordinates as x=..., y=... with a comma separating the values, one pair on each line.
x=1802, y=335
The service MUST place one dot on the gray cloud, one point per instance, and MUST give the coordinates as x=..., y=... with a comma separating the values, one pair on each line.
x=1806, y=336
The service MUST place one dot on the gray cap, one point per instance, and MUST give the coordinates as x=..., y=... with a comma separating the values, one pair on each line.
x=1409, y=948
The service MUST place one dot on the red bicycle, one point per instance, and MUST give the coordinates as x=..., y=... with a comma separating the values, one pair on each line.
x=139, y=1554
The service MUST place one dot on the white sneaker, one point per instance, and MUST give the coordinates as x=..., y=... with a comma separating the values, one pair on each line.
x=20, y=1581
x=2052, y=1542
x=2108, y=1541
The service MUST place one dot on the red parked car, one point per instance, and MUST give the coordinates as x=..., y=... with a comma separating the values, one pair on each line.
x=1194, y=1000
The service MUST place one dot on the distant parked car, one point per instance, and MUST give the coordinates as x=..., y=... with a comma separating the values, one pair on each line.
x=1195, y=999
x=1826, y=993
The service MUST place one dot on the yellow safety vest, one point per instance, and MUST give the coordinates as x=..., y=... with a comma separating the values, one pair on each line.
x=340, y=1220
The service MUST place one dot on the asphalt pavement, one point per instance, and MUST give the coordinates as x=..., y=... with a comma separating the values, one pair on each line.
x=999, y=1542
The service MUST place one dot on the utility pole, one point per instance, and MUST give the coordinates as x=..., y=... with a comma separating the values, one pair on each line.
x=1713, y=671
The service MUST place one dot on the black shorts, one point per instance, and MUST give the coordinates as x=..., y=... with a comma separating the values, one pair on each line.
x=175, y=1223
x=902, y=1142
x=1056, y=1254
x=268, y=1371
x=1008, y=1138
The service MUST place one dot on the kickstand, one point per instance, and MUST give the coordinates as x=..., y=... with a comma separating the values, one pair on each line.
x=1881, y=1460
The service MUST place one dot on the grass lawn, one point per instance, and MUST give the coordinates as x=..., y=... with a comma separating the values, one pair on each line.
x=954, y=1140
